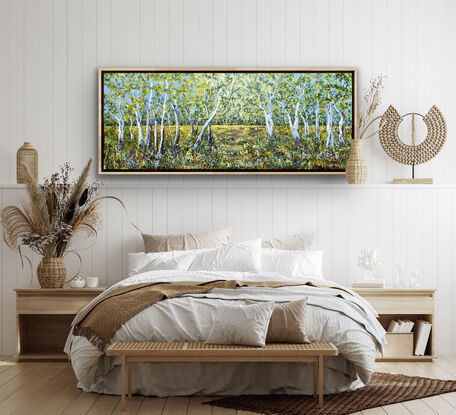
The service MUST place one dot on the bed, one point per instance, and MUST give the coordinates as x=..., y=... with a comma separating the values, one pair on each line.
x=334, y=314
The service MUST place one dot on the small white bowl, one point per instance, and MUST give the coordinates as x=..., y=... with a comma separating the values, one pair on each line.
x=78, y=282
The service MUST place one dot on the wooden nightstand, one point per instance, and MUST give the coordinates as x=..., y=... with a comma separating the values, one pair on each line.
x=404, y=303
x=43, y=320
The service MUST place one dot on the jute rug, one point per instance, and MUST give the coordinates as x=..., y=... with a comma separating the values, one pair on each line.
x=383, y=389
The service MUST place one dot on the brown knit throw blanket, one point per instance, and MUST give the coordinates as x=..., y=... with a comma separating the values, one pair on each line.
x=107, y=314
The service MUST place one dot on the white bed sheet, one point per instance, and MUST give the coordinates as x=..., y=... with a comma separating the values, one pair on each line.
x=345, y=320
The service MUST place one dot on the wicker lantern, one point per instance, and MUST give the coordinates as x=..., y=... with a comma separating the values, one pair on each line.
x=28, y=155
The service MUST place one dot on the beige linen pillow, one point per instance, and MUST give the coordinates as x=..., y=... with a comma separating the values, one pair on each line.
x=297, y=242
x=166, y=243
x=287, y=324
x=241, y=324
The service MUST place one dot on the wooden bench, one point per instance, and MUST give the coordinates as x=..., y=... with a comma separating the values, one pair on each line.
x=202, y=352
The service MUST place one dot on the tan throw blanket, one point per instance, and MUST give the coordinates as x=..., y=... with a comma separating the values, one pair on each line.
x=106, y=315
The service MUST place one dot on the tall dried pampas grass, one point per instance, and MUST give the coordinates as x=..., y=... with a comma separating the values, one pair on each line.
x=372, y=99
x=54, y=212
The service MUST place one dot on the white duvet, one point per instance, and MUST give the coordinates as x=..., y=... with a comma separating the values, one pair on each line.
x=340, y=317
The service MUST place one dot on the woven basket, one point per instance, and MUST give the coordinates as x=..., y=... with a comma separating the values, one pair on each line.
x=51, y=273
x=356, y=169
x=28, y=155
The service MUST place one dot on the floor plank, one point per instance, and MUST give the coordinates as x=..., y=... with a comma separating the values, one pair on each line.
x=105, y=404
x=62, y=400
x=396, y=409
x=134, y=404
x=176, y=405
x=450, y=398
x=39, y=396
x=81, y=404
x=195, y=407
x=418, y=407
x=439, y=405
x=26, y=385
x=373, y=411
x=446, y=364
x=152, y=406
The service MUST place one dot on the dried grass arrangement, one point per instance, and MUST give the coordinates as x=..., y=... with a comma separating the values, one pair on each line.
x=56, y=210
x=371, y=100
x=356, y=168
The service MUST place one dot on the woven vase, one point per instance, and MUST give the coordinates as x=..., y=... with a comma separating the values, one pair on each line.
x=51, y=273
x=356, y=169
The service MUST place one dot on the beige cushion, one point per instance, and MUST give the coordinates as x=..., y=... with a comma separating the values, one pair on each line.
x=241, y=324
x=287, y=323
x=165, y=243
x=301, y=241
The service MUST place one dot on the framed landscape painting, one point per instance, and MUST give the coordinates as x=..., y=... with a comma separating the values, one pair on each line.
x=225, y=120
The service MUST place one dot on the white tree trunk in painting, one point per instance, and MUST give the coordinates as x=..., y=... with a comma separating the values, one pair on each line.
x=209, y=120
x=330, y=125
x=148, y=129
x=209, y=130
x=121, y=121
x=268, y=120
x=140, y=130
x=132, y=133
x=161, y=147
x=317, y=121
x=341, y=135
x=177, y=134
x=156, y=128
x=305, y=122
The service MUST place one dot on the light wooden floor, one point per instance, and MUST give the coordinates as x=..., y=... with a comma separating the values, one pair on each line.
x=50, y=388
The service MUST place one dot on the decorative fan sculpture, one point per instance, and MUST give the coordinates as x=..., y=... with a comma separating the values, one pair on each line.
x=412, y=154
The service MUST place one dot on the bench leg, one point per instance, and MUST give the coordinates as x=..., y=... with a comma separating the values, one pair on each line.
x=129, y=380
x=315, y=378
x=320, y=381
x=122, y=383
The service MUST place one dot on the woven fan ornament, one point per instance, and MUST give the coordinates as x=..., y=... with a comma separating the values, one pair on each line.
x=412, y=154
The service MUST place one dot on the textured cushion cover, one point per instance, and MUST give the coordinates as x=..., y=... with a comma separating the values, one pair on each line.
x=300, y=241
x=174, y=260
x=241, y=256
x=165, y=243
x=295, y=264
x=241, y=324
x=287, y=323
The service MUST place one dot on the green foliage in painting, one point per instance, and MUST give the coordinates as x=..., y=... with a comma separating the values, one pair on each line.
x=226, y=121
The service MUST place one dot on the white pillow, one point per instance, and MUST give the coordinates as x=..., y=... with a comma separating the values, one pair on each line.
x=295, y=264
x=172, y=260
x=242, y=256
x=241, y=324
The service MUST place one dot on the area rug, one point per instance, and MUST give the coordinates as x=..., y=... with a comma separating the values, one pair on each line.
x=383, y=389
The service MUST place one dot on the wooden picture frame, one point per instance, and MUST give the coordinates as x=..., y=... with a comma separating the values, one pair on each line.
x=123, y=88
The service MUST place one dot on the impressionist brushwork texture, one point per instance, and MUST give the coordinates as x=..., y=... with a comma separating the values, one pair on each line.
x=226, y=121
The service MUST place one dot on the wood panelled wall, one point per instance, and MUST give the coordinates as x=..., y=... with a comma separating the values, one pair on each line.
x=51, y=49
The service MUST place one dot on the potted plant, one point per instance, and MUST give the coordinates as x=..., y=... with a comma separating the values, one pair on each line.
x=56, y=210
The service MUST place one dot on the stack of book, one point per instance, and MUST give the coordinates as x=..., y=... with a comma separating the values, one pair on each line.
x=400, y=326
x=422, y=332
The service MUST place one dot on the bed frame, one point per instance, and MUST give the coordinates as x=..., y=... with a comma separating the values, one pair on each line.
x=202, y=352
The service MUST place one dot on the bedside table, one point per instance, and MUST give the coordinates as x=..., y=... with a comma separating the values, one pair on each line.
x=404, y=303
x=43, y=320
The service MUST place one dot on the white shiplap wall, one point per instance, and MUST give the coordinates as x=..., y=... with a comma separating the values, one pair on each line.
x=50, y=50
